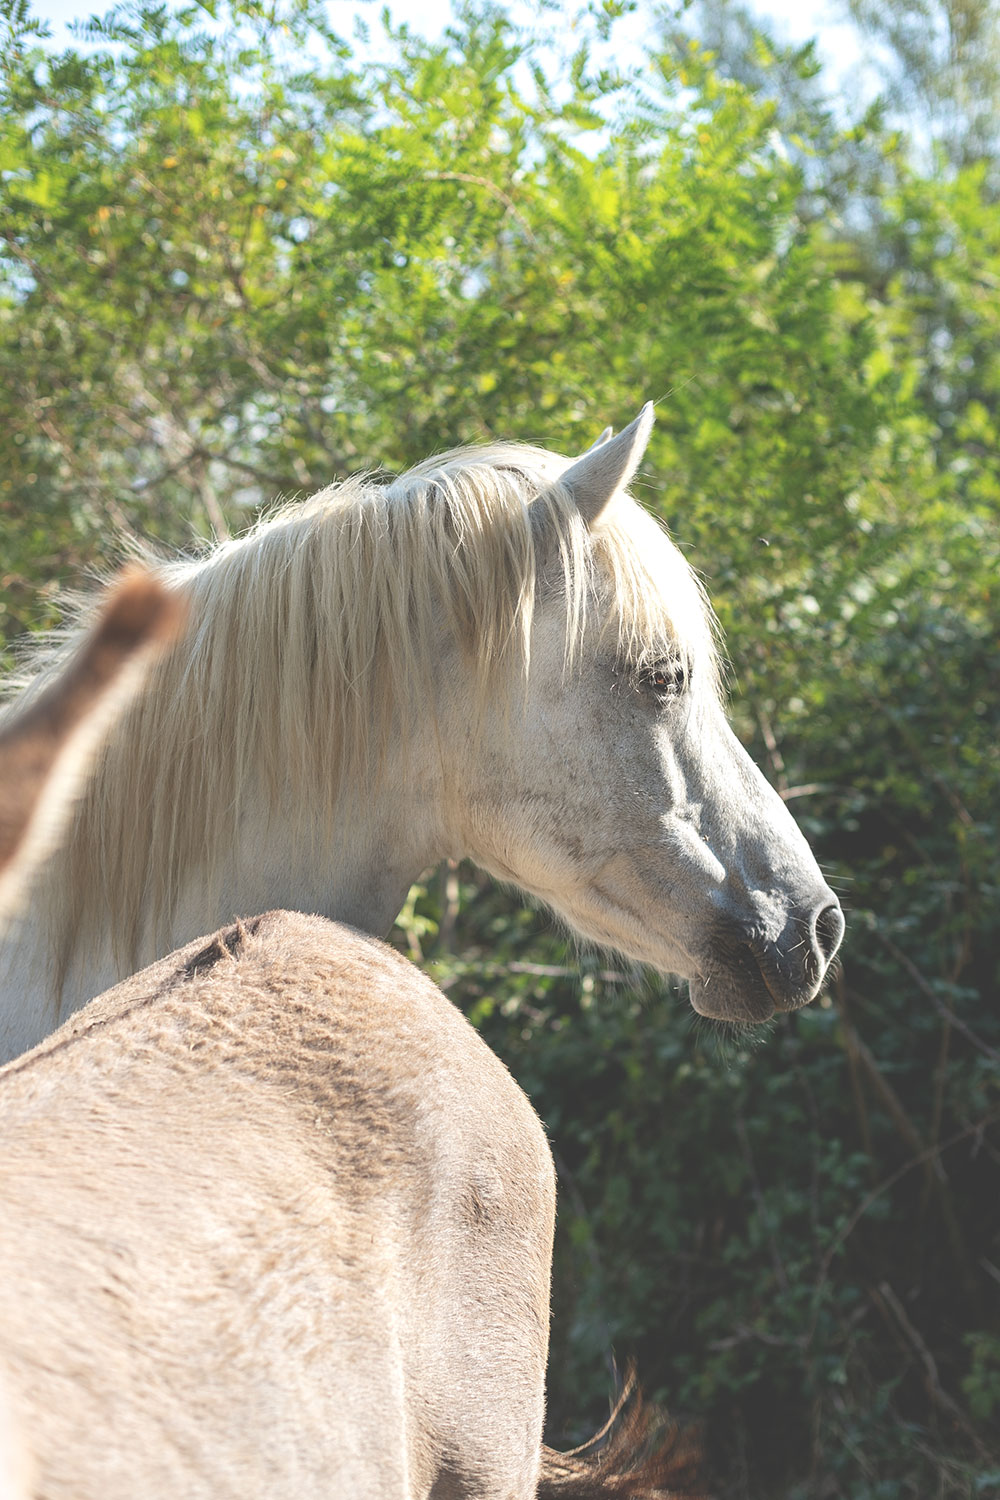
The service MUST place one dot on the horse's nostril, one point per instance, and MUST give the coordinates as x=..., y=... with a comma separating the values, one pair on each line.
x=828, y=929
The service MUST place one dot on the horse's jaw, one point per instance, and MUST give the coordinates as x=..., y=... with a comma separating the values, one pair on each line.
x=745, y=971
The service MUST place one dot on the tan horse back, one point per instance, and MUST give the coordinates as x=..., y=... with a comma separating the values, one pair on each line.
x=276, y=1222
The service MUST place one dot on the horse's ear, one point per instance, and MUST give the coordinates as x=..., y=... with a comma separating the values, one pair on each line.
x=608, y=466
x=601, y=439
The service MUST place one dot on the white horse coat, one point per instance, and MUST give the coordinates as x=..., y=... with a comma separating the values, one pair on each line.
x=500, y=656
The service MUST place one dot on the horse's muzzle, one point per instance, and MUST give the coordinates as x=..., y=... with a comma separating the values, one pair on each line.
x=750, y=974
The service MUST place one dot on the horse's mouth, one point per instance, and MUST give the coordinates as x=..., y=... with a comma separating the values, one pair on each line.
x=724, y=995
x=748, y=980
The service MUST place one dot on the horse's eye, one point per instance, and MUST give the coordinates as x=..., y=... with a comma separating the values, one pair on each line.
x=664, y=679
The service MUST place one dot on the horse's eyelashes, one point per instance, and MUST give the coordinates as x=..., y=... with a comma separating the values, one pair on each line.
x=663, y=679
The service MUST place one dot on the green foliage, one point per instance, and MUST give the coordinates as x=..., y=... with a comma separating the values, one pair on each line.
x=239, y=257
x=982, y=1384
x=941, y=63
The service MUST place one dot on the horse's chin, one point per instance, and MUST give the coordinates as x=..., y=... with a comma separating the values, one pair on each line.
x=725, y=998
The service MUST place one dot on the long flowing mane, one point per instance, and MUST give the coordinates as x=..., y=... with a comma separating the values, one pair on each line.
x=313, y=643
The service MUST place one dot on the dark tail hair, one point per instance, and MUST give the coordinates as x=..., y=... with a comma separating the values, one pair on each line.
x=639, y=1454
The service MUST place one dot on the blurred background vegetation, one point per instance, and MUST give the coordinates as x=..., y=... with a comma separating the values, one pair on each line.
x=244, y=252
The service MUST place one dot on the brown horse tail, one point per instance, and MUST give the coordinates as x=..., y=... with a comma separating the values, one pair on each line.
x=639, y=1454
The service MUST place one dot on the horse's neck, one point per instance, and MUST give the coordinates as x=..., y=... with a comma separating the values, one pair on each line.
x=357, y=872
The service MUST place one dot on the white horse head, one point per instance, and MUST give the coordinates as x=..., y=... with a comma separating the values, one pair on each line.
x=499, y=655
x=619, y=793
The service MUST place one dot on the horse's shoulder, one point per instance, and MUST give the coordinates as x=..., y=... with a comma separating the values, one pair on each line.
x=293, y=1008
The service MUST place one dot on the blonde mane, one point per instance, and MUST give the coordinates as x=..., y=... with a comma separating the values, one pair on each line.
x=312, y=645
